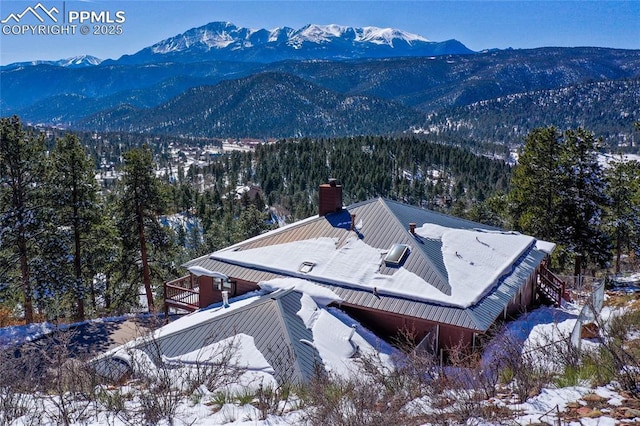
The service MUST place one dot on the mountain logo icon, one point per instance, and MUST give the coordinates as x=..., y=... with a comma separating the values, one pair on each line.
x=38, y=11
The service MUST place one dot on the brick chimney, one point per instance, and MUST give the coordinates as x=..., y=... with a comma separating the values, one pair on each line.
x=329, y=198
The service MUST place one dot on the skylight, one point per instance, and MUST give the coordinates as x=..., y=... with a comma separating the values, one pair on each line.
x=396, y=255
x=306, y=267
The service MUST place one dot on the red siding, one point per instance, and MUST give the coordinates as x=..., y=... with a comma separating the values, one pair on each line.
x=391, y=326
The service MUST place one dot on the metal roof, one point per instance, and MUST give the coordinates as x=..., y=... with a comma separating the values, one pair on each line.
x=272, y=322
x=381, y=223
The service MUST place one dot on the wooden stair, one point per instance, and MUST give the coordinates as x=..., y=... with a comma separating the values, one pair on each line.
x=550, y=287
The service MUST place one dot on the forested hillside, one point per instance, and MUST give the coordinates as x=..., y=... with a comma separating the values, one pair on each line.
x=263, y=105
x=340, y=98
x=408, y=169
x=608, y=108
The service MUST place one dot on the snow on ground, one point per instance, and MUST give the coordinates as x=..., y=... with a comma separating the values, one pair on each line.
x=536, y=331
x=606, y=160
x=333, y=339
x=545, y=406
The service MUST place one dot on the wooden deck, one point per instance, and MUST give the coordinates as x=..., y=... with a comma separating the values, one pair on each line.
x=182, y=293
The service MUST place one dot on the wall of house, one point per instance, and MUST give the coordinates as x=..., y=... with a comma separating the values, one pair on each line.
x=243, y=286
x=210, y=292
x=390, y=326
x=525, y=298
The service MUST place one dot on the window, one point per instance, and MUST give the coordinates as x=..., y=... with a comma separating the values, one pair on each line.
x=222, y=284
x=396, y=255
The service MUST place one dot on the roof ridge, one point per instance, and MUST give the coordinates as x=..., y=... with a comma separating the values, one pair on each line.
x=445, y=215
x=267, y=234
x=436, y=270
x=287, y=332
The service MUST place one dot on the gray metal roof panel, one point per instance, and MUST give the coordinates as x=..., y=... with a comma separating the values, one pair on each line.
x=306, y=356
x=492, y=306
x=271, y=321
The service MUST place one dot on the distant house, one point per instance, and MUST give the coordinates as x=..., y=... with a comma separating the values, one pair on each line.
x=395, y=268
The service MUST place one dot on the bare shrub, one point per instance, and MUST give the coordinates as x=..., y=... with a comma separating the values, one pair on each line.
x=462, y=387
x=15, y=402
x=620, y=358
x=274, y=399
x=159, y=385
x=517, y=366
x=375, y=395
x=68, y=385
x=220, y=370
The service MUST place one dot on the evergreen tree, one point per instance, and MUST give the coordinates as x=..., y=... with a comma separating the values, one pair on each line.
x=74, y=193
x=251, y=222
x=535, y=185
x=582, y=197
x=558, y=193
x=102, y=257
x=140, y=203
x=21, y=175
x=622, y=218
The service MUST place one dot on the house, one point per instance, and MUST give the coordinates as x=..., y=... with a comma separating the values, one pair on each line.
x=396, y=268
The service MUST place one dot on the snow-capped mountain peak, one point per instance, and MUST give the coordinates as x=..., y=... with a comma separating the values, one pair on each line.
x=79, y=61
x=388, y=35
x=226, y=41
x=73, y=62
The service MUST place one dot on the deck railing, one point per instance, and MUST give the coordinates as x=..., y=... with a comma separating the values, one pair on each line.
x=181, y=294
x=551, y=287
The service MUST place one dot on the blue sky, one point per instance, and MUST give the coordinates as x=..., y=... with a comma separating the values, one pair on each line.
x=479, y=24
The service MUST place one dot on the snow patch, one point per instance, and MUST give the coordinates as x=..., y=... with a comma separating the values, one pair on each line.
x=320, y=295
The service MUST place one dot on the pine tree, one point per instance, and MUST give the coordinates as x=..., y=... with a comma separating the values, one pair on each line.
x=582, y=197
x=140, y=204
x=558, y=192
x=21, y=176
x=622, y=218
x=74, y=194
x=102, y=257
x=535, y=185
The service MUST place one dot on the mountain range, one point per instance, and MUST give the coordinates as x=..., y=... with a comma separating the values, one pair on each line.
x=223, y=41
x=222, y=80
x=73, y=62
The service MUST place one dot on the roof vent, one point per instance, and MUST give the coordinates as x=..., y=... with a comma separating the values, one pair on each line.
x=396, y=255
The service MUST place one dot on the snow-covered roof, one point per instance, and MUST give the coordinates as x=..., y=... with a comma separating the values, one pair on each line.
x=475, y=260
x=451, y=263
x=271, y=336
